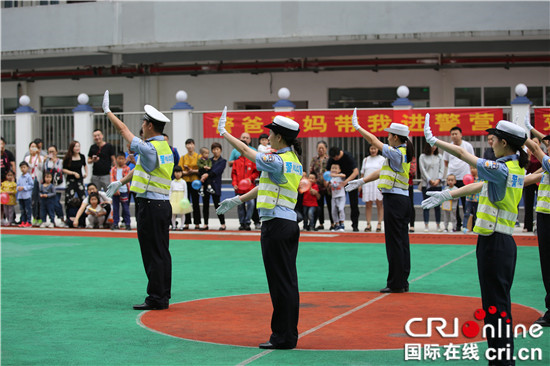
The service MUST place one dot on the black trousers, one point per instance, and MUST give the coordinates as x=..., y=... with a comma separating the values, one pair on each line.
x=460, y=183
x=279, y=250
x=206, y=207
x=153, y=221
x=496, y=264
x=396, y=233
x=543, y=232
x=528, y=202
x=193, y=196
x=321, y=203
x=354, y=208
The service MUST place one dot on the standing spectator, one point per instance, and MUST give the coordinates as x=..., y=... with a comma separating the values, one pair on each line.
x=448, y=206
x=457, y=167
x=73, y=164
x=348, y=166
x=54, y=165
x=338, y=196
x=39, y=144
x=122, y=197
x=489, y=154
x=214, y=177
x=371, y=193
x=188, y=163
x=36, y=162
x=394, y=184
x=96, y=214
x=244, y=170
x=102, y=156
x=529, y=191
x=47, y=200
x=432, y=170
x=318, y=166
x=174, y=151
x=7, y=161
x=178, y=192
x=309, y=203
x=9, y=186
x=25, y=186
x=412, y=172
x=264, y=146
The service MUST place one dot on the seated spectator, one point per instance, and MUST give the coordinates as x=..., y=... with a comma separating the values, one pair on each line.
x=95, y=212
x=104, y=201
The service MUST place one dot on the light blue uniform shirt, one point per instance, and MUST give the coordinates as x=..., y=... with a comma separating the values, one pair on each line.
x=393, y=154
x=496, y=173
x=149, y=161
x=546, y=164
x=274, y=166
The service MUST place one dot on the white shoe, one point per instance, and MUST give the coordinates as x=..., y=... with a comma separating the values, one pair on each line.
x=50, y=224
x=62, y=224
x=44, y=224
x=426, y=230
x=89, y=226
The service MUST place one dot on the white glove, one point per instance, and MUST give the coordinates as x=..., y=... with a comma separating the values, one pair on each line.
x=527, y=122
x=105, y=103
x=221, y=124
x=436, y=199
x=428, y=131
x=354, y=184
x=228, y=204
x=113, y=188
x=354, y=120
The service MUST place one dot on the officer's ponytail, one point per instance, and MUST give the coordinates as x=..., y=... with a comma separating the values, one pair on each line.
x=291, y=141
x=410, y=148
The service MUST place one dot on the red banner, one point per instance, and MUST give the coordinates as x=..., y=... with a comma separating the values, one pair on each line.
x=542, y=120
x=337, y=123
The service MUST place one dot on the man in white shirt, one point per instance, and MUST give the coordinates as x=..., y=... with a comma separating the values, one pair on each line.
x=458, y=167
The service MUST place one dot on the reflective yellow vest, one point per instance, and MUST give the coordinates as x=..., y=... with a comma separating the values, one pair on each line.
x=286, y=194
x=501, y=216
x=543, y=200
x=158, y=180
x=390, y=178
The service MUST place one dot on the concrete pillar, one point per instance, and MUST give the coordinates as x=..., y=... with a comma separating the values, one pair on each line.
x=402, y=102
x=24, y=116
x=181, y=123
x=521, y=105
x=84, y=128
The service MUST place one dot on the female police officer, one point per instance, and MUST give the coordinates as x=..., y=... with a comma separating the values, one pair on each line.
x=276, y=196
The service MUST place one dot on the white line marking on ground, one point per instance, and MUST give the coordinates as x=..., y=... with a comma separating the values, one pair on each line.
x=259, y=355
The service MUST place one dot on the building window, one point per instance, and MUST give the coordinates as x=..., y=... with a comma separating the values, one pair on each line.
x=467, y=97
x=301, y=104
x=499, y=96
x=536, y=95
x=375, y=97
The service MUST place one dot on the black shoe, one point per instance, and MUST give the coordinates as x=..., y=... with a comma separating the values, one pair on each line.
x=242, y=227
x=320, y=227
x=406, y=289
x=386, y=290
x=114, y=227
x=247, y=227
x=128, y=227
x=269, y=345
x=542, y=321
x=146, y=306
x=355, y=228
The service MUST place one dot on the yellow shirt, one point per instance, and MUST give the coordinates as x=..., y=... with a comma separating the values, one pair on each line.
x=191, y=162
x=11, y=189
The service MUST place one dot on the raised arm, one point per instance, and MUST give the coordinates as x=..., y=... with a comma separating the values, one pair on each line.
x=119, y=125
x=241, y=147
x=371, y=139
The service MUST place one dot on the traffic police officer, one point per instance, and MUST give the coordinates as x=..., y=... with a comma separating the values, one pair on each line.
x=496, y=251
x=276, y=195
x=151, y=180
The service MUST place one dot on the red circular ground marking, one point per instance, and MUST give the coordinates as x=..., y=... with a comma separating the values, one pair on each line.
x=245, y=320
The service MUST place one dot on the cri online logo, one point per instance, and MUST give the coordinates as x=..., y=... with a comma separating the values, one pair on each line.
x=470, y=329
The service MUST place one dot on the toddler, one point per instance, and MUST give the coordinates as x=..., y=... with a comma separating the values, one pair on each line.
x=338, y=197
x=264, y=146
x=204, y=164
x=471, y=206
x=309, y=203
x=46, y=192
x=448, y=207
x=122, y=196
x=178, y=192
x=25, y=185
x=9, y=186
x=96, y=213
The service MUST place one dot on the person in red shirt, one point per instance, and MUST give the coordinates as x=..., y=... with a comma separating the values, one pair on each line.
x=243, y=175
x=310, y=204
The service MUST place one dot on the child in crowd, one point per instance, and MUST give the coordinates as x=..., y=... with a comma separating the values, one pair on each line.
x=122, y=196
x=72, y=210
x=96, y=213
x=25, y=185
x=264, y=146
x=449, y=206
x=338, y=197
x=9, y=186
x=178, y=192
x=46, y=192
x=204, y=164
x=471, y=206
x=309, y=203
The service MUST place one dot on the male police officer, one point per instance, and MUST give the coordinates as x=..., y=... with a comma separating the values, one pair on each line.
x=151, y=181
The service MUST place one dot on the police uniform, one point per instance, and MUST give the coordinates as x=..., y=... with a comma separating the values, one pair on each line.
x=277, y=195
x=394, y=185
x=496, y=249
x=151, y=182
x=543, y=233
